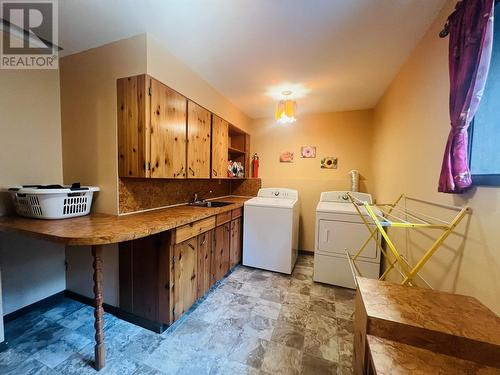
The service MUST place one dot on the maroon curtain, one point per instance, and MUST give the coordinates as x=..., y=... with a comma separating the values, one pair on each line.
x=471, y=39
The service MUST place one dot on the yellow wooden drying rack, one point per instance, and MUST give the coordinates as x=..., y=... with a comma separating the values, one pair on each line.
x=390, y=216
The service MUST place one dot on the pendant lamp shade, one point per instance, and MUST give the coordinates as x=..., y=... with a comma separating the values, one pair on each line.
x=286, y=110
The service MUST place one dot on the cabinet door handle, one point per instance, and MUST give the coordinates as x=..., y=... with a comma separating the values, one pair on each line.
x=191, y=170
x=214, y=172
x=191, y=246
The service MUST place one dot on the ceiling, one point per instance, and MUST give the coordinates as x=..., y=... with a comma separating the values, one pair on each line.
x=337, y=54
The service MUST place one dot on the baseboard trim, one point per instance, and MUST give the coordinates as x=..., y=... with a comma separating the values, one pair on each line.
x=46, y=302
x=306, y=252
x=119, y=313
x=90, y=301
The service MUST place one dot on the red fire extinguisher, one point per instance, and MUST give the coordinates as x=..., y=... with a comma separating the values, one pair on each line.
x=255, y=165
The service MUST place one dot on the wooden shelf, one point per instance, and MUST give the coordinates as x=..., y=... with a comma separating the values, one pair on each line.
x=233, y=150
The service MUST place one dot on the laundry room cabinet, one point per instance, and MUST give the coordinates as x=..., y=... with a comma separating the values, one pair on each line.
x=144, y=274
x=167, y=132
x=198, y=133
x=163, y=134
x=222, y=244
x=236, y=238
x=205, y=254
x=162, y=275
x=185, y=269
x=151, y=129
x=220, y=144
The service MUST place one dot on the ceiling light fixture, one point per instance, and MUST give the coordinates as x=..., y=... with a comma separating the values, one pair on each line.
x=285, y=109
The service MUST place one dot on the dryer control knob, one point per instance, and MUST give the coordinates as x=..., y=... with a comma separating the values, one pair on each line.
x=345, y=197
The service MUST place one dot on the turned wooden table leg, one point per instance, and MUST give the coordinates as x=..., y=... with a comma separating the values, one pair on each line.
x=100, y=349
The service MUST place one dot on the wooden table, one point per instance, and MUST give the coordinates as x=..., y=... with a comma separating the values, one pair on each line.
x=439, y=322
x=97, y=230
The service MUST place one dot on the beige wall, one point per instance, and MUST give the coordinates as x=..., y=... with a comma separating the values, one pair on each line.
x=411, y=127
x=165, y=67
x=88, y=114
x=30, y=152
x=346, y=135
x=30, y=126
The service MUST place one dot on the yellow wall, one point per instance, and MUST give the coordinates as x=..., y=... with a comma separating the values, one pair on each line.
x=411, y=128
x=345, y=135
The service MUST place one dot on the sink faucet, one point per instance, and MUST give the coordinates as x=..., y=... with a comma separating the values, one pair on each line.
x=196, y=196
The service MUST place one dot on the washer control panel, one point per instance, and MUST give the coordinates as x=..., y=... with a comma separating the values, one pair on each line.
x=278, y=193
x=342, y=197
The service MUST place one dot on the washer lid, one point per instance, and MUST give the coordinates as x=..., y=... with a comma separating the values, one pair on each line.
x=271, y=202
x=342, y=208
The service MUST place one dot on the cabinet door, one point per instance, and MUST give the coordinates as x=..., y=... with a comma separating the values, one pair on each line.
x=221, y=255
x=198, y=149
x=143, y=274
x=205, y=243
x=168, y=132
x=235, y=249
x=133, y=126
x=220, y=137
x=185, y=284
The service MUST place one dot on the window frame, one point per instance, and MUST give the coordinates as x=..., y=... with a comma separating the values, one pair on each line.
x=481, y=179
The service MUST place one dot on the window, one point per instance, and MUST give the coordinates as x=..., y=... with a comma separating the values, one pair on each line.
x=485, y=130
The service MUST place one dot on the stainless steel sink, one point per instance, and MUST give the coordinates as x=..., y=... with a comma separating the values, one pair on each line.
x=210, y=204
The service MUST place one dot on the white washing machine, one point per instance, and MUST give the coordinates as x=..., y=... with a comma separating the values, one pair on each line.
x=339, y=227
x=271, y=230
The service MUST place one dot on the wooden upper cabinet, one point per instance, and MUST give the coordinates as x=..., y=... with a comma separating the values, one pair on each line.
x=162, y=134
x=198, y=149
x=168, y=132
x=133, y=126
x=220, y=143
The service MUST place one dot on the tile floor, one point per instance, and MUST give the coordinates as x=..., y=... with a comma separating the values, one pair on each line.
x=253, y=322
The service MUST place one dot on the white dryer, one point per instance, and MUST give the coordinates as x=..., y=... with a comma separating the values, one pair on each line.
x=271, y=230
x=339, y=227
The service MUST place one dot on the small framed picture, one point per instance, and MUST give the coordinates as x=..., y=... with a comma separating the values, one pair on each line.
x=308, y=152
x=329, y=162
x=286, y=157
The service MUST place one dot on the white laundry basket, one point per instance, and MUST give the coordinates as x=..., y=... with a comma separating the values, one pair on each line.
x=52, y=201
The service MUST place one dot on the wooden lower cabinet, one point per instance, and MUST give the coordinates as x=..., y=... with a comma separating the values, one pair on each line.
x=222, y=243
x=144, y=278
x=161, y=277
x=235, y=248
x=185, y=288
x=205, y=251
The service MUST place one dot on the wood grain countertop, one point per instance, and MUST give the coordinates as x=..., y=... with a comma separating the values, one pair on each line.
x=102, y=229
